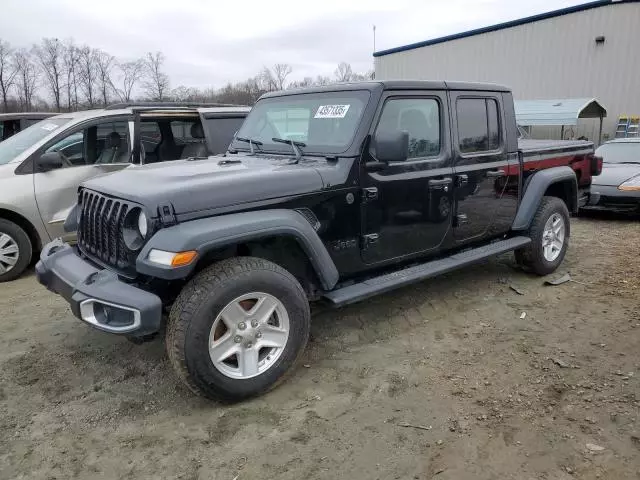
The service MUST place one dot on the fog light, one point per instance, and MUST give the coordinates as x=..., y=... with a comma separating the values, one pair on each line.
x=110, y=317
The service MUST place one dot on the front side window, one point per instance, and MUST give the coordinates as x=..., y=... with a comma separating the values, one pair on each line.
x=420, y=117
x=71, y=148
x=105, y=143
x=27, y=138
x=324, y=122
x=112, y=143
x=478, y=125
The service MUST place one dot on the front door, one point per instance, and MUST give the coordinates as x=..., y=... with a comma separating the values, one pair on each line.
x=407, y=205
x=87, y=152
x=481, y=163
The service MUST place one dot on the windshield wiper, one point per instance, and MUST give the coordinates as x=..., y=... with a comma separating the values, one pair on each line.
x=251, y=143
x=294, y=145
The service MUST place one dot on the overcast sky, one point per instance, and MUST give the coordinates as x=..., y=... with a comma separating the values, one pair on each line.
x=211, y=42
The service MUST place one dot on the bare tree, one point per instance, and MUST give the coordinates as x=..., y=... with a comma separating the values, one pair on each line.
x=305, y=82
x=280, y=73
x=157, y=82
x=344, y=72
x=7, y=73
x=322, y=80
x=70, y=61
x=130, y=73
x=50, y=55
x=27, y=77
x=104, y=62
x=88, y=73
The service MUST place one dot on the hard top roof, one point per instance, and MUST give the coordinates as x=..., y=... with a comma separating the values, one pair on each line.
x=21, y=115
x=624, y=140
x=393, y=85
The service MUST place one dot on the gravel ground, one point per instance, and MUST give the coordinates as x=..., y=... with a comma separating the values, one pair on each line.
x=461, y=377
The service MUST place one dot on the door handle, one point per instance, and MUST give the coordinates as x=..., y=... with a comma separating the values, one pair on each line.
x=462, y=180
x=495, y=173
x=440, y=182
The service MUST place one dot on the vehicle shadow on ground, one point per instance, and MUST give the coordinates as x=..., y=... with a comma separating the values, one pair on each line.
x=80, y=366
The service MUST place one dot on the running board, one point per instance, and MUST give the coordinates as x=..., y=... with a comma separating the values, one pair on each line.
x=390, y=281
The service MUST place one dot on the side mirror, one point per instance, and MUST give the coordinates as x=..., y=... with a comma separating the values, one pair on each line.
x=391, y=146
x=49, y=161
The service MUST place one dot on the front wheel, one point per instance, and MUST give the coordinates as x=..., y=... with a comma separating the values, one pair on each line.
x=549, y=233
x=15, y=251
x=237, y=328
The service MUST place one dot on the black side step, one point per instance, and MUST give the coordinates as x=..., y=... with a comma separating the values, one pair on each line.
x=390, y=281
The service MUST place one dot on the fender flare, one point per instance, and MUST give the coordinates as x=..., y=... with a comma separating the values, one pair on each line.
x=211, y=233
x=535, y=188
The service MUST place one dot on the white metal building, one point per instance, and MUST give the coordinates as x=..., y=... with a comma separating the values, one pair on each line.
x=590, y=50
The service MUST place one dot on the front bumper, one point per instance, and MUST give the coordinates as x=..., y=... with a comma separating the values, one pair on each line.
x=97, y=296
x=609, y=198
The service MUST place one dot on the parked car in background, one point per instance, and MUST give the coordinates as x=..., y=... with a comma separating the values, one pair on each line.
x=42, y=166
x=12, y=123
x=618, y=186
x=385, y=184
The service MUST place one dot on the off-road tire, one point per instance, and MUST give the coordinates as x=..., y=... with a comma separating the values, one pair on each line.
x=199, y=303
x=25, y=250
x=531, y=257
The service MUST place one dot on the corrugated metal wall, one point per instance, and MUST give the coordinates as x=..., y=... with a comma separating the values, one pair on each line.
x=552, y=58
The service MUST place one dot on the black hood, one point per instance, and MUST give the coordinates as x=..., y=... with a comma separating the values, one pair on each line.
x=613, y=174
x=192, y=185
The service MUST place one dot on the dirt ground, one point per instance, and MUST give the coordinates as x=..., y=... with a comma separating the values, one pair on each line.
x=456, y=378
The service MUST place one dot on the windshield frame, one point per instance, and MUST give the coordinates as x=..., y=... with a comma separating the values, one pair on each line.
x=619, y=146
x=23, y=135
x=369, y=96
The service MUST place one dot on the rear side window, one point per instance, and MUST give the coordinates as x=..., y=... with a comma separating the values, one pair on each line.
x=221, y=131
x=478, y=125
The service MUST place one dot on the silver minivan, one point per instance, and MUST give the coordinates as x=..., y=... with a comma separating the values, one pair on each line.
x=42, y=166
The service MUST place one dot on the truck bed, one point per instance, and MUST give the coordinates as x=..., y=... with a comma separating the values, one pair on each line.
x=532, y=147
x=541, y=154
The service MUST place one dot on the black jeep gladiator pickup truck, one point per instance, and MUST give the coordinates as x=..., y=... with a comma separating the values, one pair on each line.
x=333, y=193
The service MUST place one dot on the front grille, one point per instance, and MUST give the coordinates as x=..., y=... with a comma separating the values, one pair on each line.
x=100, y=228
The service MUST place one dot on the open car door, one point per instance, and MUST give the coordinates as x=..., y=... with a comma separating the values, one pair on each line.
x=220, y=125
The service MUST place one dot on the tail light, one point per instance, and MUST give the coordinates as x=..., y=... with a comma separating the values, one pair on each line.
x=596, y=165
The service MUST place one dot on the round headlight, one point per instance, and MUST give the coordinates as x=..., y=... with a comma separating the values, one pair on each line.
x=134, y=226
x=143, y=226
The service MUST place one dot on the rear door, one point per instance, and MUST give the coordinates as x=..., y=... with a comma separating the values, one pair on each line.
x=481, y=165
x=219, y=129
x=90, y=150
x=407, y=204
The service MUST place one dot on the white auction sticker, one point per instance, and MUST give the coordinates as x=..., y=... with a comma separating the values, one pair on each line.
x=50, y=127
x=332, y=111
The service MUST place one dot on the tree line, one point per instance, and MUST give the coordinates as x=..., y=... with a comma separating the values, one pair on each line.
x=62, y=76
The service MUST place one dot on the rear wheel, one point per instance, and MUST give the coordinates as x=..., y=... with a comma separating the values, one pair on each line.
x=549, y=233
x=15, y=250
x=237, y=328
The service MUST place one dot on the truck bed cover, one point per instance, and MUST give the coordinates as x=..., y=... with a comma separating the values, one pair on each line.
x=532, y=148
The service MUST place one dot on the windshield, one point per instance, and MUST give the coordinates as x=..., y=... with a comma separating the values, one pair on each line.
x=324, y=122
x=18, y=143
x=620, y=152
